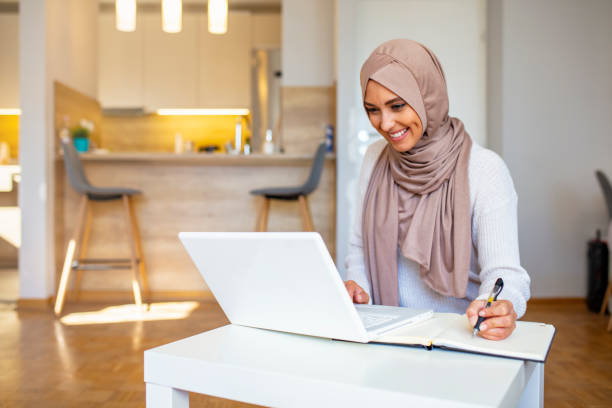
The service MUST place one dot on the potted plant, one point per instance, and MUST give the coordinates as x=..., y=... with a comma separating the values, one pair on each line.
x=80, y=135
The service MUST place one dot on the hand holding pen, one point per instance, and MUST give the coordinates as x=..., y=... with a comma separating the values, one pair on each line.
x=492, y=319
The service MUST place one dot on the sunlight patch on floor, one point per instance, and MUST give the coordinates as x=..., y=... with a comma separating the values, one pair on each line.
x=132, y=313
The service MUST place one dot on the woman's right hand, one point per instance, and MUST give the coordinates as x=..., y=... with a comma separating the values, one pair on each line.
x=356, y=292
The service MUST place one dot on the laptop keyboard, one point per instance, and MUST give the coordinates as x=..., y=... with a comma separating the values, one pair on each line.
x=375, y=319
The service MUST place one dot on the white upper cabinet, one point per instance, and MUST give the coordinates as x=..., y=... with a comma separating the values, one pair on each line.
x=171, y=63
x=9, y=60
x=192, y=69
x=225, y=64
x=120, y=64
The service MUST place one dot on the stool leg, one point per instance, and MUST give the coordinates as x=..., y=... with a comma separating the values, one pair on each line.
x=306, y=218
x=141, y=263
x=128, y=221
x=73, y=243
x=262, y=218
x=81, y=253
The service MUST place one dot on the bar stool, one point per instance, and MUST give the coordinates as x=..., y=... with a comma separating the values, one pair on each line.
x=77, y=245
x=299, y=193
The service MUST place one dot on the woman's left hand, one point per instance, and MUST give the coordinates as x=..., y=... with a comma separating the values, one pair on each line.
x=500, y=318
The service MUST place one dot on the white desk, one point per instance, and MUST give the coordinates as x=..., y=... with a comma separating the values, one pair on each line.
x=282, y=370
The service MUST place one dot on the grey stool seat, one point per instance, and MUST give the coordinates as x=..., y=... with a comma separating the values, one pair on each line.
x=77, y=245
x=606, y=188
x=80, y=183
x=293, y=193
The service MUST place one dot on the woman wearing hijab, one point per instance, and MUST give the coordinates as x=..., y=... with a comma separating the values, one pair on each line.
x=436, y=218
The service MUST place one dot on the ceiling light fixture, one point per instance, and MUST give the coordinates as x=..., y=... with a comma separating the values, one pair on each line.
x=203, y=112
x=172, y=11
x=217, y=16
x=125, y=15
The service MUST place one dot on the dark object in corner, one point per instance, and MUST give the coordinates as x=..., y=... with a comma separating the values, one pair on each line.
x=208, y=148
x=598, y=255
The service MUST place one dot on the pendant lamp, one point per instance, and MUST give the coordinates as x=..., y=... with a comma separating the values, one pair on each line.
x=125, y=15
x=172, y=15
x=217, y=16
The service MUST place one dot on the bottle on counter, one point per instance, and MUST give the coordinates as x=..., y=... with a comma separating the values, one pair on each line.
x=64, y=130
x=329, y=138
x=5, y=153
x=238, y=137
x=268, y=146
x=179, y=147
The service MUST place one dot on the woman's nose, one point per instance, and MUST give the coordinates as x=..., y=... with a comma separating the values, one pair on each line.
x=387, y=122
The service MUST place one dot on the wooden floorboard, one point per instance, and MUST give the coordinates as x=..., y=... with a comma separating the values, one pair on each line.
x=46, y=363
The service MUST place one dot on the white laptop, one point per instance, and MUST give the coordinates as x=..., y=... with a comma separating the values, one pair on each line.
x=287, y=281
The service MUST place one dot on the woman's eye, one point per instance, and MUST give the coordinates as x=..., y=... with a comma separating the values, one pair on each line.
x=371, y=110
x=397, y=106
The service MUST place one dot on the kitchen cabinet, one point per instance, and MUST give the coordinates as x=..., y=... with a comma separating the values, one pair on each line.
x=120, y=64
x=225, y=64
x=9, y=60
x=153, y=69
x=171, y=63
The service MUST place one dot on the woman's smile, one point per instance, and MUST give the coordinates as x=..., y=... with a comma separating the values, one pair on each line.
x=399, y=135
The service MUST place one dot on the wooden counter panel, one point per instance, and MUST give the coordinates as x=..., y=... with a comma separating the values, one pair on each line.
x=183, y=197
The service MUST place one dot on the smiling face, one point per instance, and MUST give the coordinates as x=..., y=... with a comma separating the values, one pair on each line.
x=392, y=117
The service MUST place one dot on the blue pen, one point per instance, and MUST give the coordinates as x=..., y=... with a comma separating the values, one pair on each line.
x=499, y=285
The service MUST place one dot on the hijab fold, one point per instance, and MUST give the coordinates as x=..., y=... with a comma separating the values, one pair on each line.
x=417, y=202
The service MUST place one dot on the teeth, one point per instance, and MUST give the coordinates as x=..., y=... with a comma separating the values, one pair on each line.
x=397, y=134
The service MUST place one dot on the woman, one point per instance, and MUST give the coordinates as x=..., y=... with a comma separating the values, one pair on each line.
x=436, y=217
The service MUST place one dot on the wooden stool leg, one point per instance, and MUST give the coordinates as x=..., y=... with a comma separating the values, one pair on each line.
x=262, y=218
x=305, y=211
x=128, y=221
x=73, y=243
x=606, y=299
x=141, y=263
x=81, y=253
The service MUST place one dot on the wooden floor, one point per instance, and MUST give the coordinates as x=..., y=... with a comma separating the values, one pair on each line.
x=47, y=363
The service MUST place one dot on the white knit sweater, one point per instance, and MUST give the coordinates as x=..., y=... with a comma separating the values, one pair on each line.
x=495, y=251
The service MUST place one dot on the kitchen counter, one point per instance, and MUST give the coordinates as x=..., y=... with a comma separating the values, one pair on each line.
x=185, y=192
x=204, y=159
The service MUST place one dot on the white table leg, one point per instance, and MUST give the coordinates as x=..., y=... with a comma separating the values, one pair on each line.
x=159, y=396
x=533, y=394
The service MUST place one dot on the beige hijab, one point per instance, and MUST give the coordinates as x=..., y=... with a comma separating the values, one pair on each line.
x=418, y=201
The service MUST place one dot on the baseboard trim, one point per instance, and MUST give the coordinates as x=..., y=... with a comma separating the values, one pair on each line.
x=126, y=296
x=34, y=304
x=556, y=300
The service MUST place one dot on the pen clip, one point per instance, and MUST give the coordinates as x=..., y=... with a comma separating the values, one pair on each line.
x=499, y=285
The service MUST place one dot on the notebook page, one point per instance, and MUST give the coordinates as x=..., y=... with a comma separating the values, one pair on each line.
x=529, y=341
x=421, y=333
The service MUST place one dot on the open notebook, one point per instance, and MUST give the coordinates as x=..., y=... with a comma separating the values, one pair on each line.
x=529, y=341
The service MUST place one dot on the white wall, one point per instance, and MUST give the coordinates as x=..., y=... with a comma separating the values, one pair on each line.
x=56, y=42
x=308, y=42
x=552, y=103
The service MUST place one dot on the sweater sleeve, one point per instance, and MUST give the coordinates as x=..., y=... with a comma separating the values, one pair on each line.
x=354, y=261
x=495, y=233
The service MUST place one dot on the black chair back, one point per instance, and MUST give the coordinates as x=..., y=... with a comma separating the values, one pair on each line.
x=606, y=188
x=315, y=172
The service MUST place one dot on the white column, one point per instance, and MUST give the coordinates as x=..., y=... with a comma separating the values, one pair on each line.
x=36, y=251
x=57, y=41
